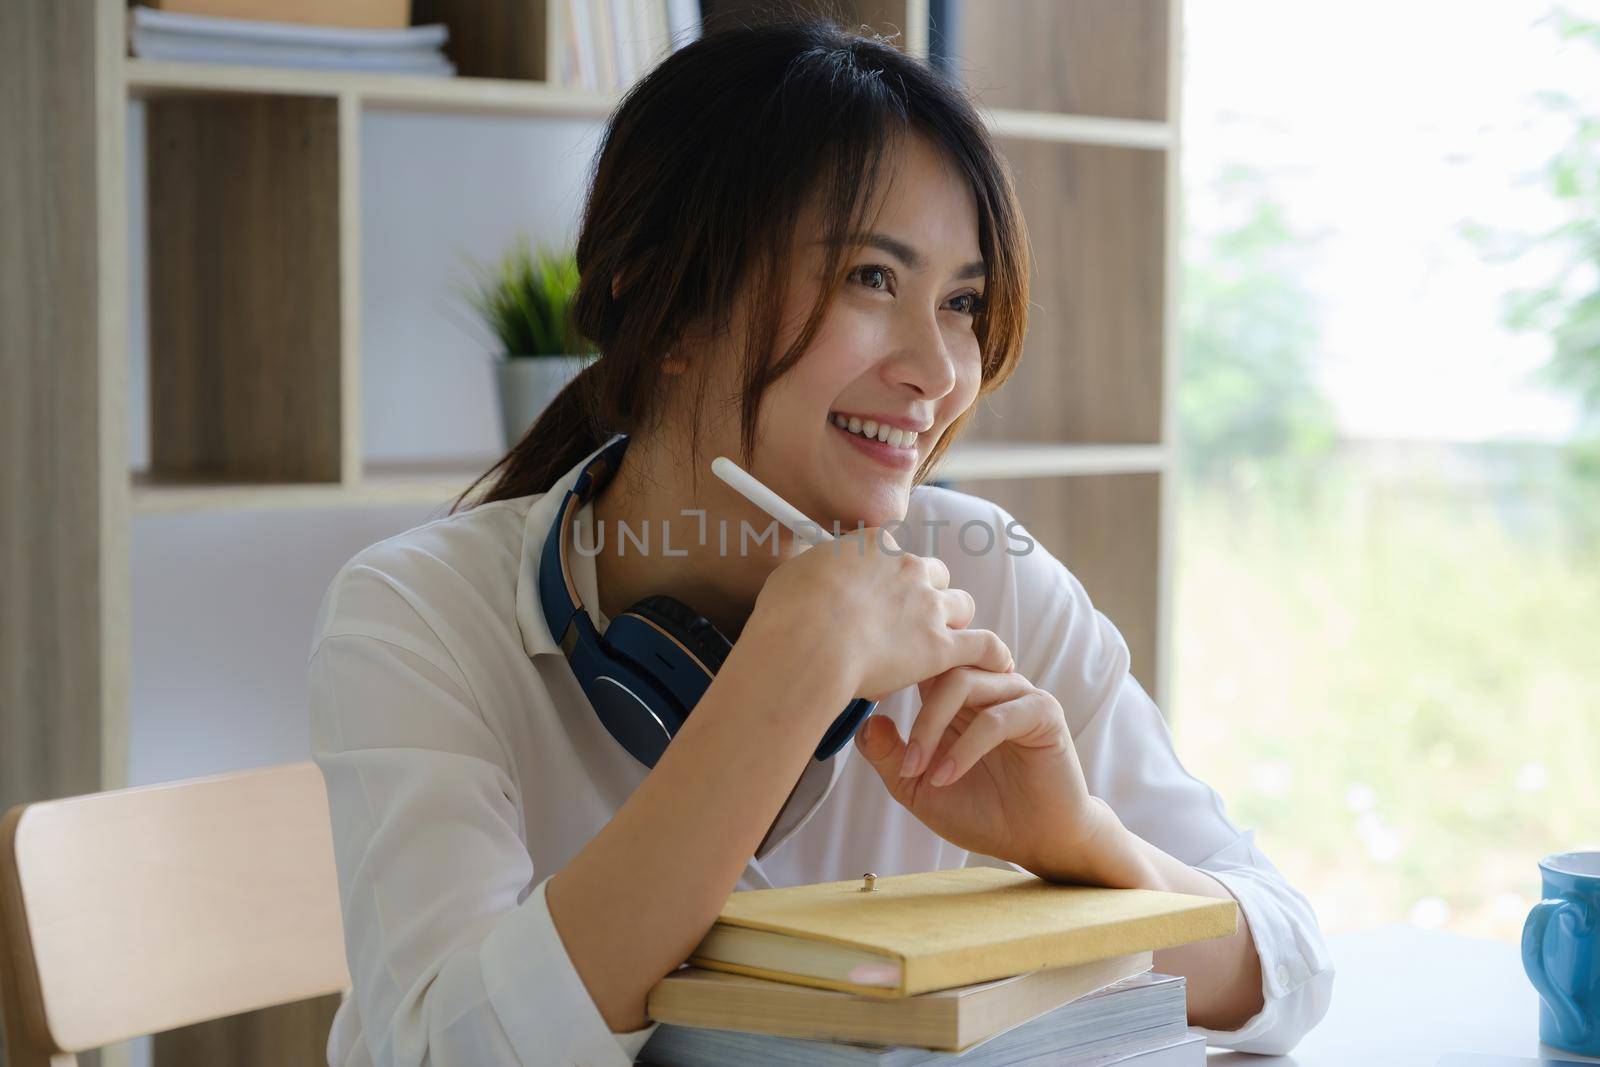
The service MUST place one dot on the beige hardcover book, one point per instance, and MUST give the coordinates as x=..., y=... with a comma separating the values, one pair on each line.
x=949, y=1019
x=915, y=933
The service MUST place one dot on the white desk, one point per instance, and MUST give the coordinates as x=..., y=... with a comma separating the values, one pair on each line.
x=1404, y=996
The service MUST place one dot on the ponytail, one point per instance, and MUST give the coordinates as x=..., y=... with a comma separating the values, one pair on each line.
x=568, y=429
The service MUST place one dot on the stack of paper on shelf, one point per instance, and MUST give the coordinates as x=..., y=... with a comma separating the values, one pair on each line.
x=980, y=965
x=169, y=35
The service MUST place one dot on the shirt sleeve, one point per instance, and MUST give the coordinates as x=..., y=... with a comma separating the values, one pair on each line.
x=453, y=957
x=1124, y=745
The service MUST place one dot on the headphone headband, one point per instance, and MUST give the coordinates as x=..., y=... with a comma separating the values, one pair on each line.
x=558, y=593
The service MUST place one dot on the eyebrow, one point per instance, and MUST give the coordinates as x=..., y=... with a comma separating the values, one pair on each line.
x=914, y=259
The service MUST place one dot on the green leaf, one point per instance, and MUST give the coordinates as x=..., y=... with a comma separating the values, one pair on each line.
x=525, y=299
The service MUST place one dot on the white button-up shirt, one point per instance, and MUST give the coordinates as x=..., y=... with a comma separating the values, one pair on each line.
x=465, y=766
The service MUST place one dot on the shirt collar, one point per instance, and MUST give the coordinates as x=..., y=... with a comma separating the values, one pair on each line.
x=536, y=637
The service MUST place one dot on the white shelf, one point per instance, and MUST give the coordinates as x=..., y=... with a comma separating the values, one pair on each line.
x=997, y=459
x=439, y=482
x=1078, y=129
x=416, y=482
x=389, y=92
x=506, y=96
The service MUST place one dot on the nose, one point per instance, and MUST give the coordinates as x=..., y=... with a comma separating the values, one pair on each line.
x=923, y=361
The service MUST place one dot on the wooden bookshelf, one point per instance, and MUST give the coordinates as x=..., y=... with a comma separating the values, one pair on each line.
x=253, y=409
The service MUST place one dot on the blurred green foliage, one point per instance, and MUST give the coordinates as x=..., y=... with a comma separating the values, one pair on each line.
x=1384, y=660
x=1249, y=407
x=1396, y=688
x=1566, y=307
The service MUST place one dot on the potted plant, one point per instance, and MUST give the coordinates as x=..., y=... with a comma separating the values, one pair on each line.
x=525, y=300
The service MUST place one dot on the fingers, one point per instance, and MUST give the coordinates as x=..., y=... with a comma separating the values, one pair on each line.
x=943, y=697
x=959, y=607
x=991, y=727
x=979, y=648
x=879, y=741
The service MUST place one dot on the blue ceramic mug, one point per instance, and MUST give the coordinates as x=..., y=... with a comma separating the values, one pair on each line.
x=1561, y=951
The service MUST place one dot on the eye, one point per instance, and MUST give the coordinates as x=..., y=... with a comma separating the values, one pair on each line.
x=977, y=300
x=873, y=268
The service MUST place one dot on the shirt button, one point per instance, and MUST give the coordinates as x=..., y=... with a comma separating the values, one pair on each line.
x=1283, y=975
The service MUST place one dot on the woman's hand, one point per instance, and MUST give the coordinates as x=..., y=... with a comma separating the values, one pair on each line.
x=993, y=769
x=882, y=617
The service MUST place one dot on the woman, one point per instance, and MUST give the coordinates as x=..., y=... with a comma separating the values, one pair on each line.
x=795, y=236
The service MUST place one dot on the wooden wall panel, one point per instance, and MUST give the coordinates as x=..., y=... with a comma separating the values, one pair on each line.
x=1091, y=369
x=1105, y=529
x=51, y=515
x=1106, y=58
x=63, y=482
x=244, y=288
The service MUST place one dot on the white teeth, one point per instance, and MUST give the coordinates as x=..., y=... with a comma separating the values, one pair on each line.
x=890, y=435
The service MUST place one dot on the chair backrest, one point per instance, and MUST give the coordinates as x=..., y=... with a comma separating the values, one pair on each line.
x=138, y=910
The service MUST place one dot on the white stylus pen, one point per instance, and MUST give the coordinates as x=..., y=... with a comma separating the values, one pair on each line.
x=752, y=490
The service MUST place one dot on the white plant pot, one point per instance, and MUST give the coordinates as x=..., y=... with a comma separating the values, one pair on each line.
x=527, y=384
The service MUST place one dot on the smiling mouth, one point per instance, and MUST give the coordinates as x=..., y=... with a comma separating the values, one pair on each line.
x=892, y=436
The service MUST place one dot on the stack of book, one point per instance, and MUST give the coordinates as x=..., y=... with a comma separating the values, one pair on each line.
x=976, y=966
x=606, y=45
x=185, y=37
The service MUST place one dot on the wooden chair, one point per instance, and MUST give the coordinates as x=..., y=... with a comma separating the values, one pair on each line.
x=139, y=910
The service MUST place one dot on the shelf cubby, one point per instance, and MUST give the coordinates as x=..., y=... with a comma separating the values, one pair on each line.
x=1106, y=58
x=1093, y=361
x=245, y=310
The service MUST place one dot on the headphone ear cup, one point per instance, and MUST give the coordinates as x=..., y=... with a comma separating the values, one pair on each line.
x=672, y=652
x=680, y=650
x=695, y=632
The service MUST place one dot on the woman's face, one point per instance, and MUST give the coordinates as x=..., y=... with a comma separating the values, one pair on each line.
x=895, y=347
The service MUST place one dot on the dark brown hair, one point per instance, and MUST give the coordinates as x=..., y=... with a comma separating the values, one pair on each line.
x=702, y=173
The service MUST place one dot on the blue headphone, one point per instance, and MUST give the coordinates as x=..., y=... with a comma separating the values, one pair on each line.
x=655, y=661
